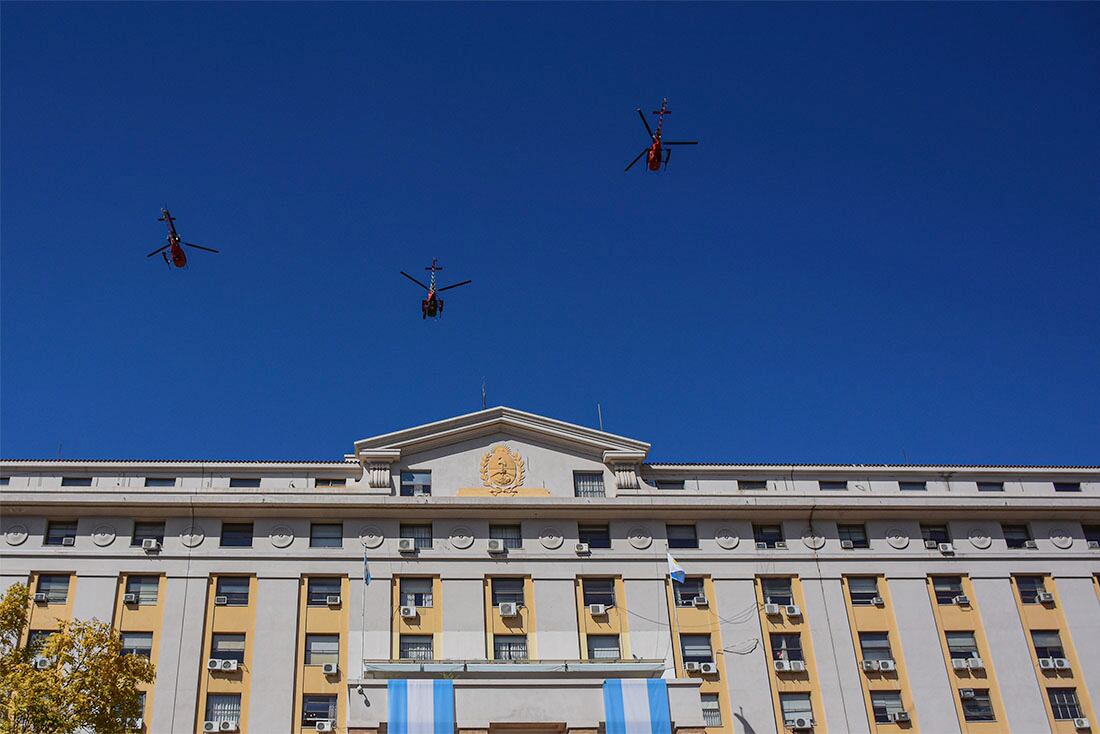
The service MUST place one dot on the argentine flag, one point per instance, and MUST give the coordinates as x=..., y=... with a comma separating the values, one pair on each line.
x=674, y=570
x=421, y=706
x=636, y=706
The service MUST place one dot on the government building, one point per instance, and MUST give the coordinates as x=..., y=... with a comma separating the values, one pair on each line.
x=507, y=573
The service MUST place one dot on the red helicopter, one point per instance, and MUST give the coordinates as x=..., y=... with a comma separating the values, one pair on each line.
x=178, y=255
x=656, y=154
x=433, y=304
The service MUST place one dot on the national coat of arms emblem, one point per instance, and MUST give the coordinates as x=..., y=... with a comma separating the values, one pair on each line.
x=502, y=470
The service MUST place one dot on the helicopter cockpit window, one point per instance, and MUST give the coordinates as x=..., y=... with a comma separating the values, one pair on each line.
x=416, y=483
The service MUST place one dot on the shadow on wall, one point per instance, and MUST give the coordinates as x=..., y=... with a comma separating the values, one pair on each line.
x=744, y=722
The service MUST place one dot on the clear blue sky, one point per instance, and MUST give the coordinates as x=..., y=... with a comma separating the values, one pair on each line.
x=887, y=241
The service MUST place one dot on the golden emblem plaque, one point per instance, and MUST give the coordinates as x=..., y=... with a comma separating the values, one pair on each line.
x=502, y=470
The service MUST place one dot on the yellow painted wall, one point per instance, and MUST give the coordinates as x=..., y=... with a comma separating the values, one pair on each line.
x=310, y=679
x=48, y=616
x=428, y=620
x=229, y=620
x=792, y=682
x=615, y=622
x=524, y=624
x=143, y=618
x=693, y=621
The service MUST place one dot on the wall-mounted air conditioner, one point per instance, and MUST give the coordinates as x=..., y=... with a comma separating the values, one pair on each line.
x=408, y=612
x=221, y=601
x=887, y=666
x=691, y=667
x=406, y=545
x=330, y=668
x=782, y=666
x=582, y=549
x=708, y=668
x=966, y=693
x=699, y=601
x=41, y=598
x=1046, y=663
x=332, y=600
x=1061, y=664
x=961, y=600
x=792, y=610
x=150, y=545
x=41, y=663
x=129, y=598
x=228, y=726
x=781, y=544
x=878, y=601
x=496, y=545
x=324, y=725
x=976, y=664
x=1081, y=723
x=869, y=665
x=229, y=666
x=68, y=540
x=760, y=545
x=899, y=717
x=1044, y=597
x=597, y=610
x=931, y=544
x=801, y=724
x=771, y=609
x=946, y=548
x=959, y=663
x=213, y=664
x=209, y=726
x=508, y=609
x=1030, y=544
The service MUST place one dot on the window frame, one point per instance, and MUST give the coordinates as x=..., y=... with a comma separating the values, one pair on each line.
x=854, y=532
x=322, y=656
x=507, y=596
x=147, y=530
x=874, y=650
x=230, y=699
x=131, y=649
x=510, y=533
x=217, y=638
x=597, y=595
x=412, y=485
x=957, y=650
x=1046, y=650
x=326, y=541
x=1020, y=535
x=682, y=542
x=67, y=528
x=424, y=599
x=1039, y=588
x=785, y=650
x=686, y=641
x=979, y=707
x=805, y=709
x=237, y=535
x=317, y=596
x=591, y=532
x=139, y=584
x=862, y=597
x=685, y=592
x=1057, y=706
x=991, y=486
x=712, y=710
x=604, y=637
x=769, y=598
x=244, y=482
x=234, y=598
x=422, y=534
x=913, y=486
x=880, y=709
x=589, y=484
x=770, y=534
x=50, y=586
x=517, y=647
x=315, y=701
x=941, y=591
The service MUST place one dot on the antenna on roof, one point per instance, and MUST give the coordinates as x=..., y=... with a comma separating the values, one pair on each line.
x=483, y=405
x=599, y=415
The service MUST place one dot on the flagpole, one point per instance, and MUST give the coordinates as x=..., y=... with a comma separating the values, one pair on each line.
x=674, y=613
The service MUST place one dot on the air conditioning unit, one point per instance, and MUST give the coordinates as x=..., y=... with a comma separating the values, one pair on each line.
x=801, y=724
x=798, y=666
x=887, y=666
x=496, y=545
x=1081, y=723
x=41, y=598
x=41, y=663
x=129, y=598
x=947, y=549
x=209, y=726
x=869, y=665
x=847, y=544
x=229, y=666
x=213, y=664
x=597, y=610
x=877, y=601
x=1061, y=664
x=135, y=724
x=691, y=667
x=782, y=666
x=966, y=693
x=976, y=663
x=1046, y=663
x=582, y=549
x=406, y=545
x=708, y=668
x=330, y=668
x=1044, y=597
x=150, y=545
x=68, y=540
x=408, y=612
x=1030, y=544
x=771, y=609
x=332, y=600
x=508, y=609
x=699, y=601
x=781, y=544
x=1094, y=544
x=931, y=544
x=961, y=600
x=221, y=601
x=899, y=716
x=792, y=610
x=959, y=663
x=761, y=546
x=228, y=726
x=324, y=725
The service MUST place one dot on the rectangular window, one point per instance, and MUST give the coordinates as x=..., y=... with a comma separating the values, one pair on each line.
x=509, y=647
x=1016, y=536
x=137, y=643
x=979, y=707
x=588, y=484
x=854, y=534
x=57, y=531
x=512, y=535
x=415, y=647
x=795, y=706
x=962, y=645
x=1064, y=703
x=777, y=590
x=913, y=486
x=227, y=646
x=991, y=486
x=416, y=592
x=1067, y=486
x=875, y=645
x=672, y=484
x=885, y=703
x=236, y=535
x=245, y=482
x=696, y=649
x=160, y=481
x=223, y=707
x=603, y=647
x=1030, y=587
x=1092, y=535
x=682, y=536
x=323, y=649
x=144, y=588
x=1048, y=644
x=318, y=708
x=712, y=711
x=421, y=535
x=76, y=481
x=598, y=591
x=55, y=587
x=37, y=638
x=4, y=481
x=147, y=531
x=507, y=591
x=947, y=588
x=686, y=592
x=326, y=535
x=597, y=536
x=234, y=589
x=833, y=486
x=416, y=483
x=935, y=533
x=330, y=482
x=319, y=589
x=752, y=484
x=787, y=647
x=863, y=590
x=768, y=536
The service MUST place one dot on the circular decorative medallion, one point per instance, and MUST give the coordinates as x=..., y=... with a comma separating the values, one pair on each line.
x=281, y=536
x=813, y=539
x=1061, y=538
x=16, y=534
x=980, y=538
x=371, y=536
x=897, y=538
x=640, y=537
x=726, y=538
x=462, y=537
x=551, y=538
x=103, y=535
x=192, y=536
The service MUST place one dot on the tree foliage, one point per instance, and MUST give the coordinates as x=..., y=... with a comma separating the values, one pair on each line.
x=88, y=682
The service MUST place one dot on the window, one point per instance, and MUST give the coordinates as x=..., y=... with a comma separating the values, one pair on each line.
x=885, y=703
x=1092, y=535
x=510, y=534
x=768, y=536
x=1067, y=486
x=854, y=534
x=1016, y=536
x=833, y=486
x=318, y=708
x=1064, y=703
x=712, y=712
x=144, y=587
x=223, y=707
x=323, y=649
x=598, y=591
x=416, y=592
x=230, y=646
x=330, y=482
x=1048, y=644
x=696, y=649
x=795, y=706
x=913, y=486
x=509, y=647
x=234, y=589
x=326, y=535
x=76, y=481
x=962, y=645
x=752, y=484
x=1030, y=587
x=507, y=591
x=415, y=647
x=597, y=536
x=245, y=482
x=875, y=645
x=686, y=592
x=160, y=481
x=777, y=590
x=147, y=531
x=991, y=486
x=55, y=587
x=4, y=481
x=37, y=638
x=236, y=535
x=603, y=647
x=682, y=536
x=668, y=483
x=947, y=588
x=137, y=643
x=935, y=533
x=979, y=707
x=58, y=531
x=787, y=647
x=416, y=484
x=421, y=535
x=319, y=589
x=863, y=590
x=588, y=484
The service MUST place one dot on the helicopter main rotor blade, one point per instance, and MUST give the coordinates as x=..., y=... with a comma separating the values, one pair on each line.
x=465, y=282
x=159, y=249
x=645, y=122
x=200, y=247
x=415, y=280
x=679, y=142
x=644, y=151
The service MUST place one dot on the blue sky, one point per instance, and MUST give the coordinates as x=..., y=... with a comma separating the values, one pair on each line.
x=885, y=248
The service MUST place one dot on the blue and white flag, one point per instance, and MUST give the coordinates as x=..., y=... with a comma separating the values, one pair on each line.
x=421, y=706
x=366, y=570
x=636, y=706
x=674, y=570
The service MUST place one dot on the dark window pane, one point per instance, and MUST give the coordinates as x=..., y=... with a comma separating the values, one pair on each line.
x=318, y=708
x=322, y=649
x=854, y=534
x=509, y=647
x=137, y=643
x=54, y=586
x=507, y=591
x=160, y=481
x=421, y=535
x=58, y=530
x=326, y=535
x=597, y=536
x=416, y=483
x=144, y=588
x=767, y=536
x=1016, y=536
x=991, y=486
x=777, y=591
x=225, y=646
x=319, y=589
x=1064, y=703
x=416, y=592
x=947, y=588
x=237, y=535
x=510, y=534
x=76, y=481
x=863, y=590
x=913, y=486
x=833, y=486
x=687, y=591
x=234, y=589
x=935, y=533
x=875, y=646
x=786, y=647
x=147, y=531
x=1067, y=486
x=696, y=649
x=588, y=484
x=415, y=647
x=598, y=591
x=244, y=482
x=682, y=536
x=1030, y=587
x=978, y=707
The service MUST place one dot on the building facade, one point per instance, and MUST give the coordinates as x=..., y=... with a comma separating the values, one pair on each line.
x=524, y=560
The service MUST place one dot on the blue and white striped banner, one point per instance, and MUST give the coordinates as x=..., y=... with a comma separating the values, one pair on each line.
x=636, y=706
x=421, y=706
